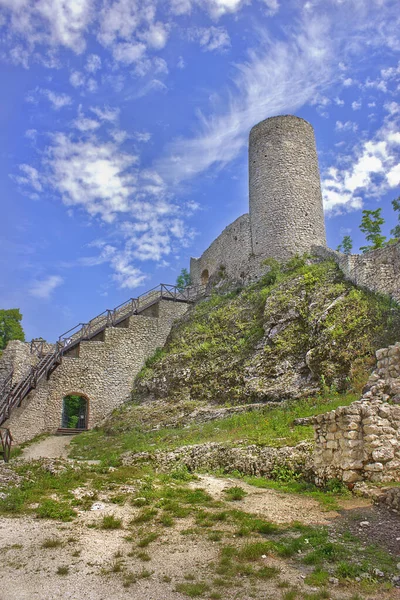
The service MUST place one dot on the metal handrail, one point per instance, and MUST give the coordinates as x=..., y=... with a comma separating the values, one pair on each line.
x=86, y=331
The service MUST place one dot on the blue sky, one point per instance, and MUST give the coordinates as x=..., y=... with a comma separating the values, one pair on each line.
x=124, y=124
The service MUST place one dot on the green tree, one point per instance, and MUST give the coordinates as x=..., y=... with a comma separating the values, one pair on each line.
x=10, y=326
x=371, y=226
x=346, y=245
x=183, y=280
x=395, y=232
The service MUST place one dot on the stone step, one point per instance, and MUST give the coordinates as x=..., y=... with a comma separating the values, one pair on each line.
x=69, y=431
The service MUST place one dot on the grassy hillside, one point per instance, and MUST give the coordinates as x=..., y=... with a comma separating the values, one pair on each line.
x=300, y=329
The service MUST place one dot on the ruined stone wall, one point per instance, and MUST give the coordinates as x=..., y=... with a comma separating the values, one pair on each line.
x=377, y=270
x=17, y=357
x=102, y=371
x=231, y=250
x=361, y=442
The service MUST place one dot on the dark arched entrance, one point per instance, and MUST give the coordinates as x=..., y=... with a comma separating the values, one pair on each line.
x=75, y=412
x=205, y=277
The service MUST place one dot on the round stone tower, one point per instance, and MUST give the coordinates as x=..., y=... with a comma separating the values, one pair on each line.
x=286, y=213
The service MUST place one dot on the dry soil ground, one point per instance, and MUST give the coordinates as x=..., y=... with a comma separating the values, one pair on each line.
x=90, y=563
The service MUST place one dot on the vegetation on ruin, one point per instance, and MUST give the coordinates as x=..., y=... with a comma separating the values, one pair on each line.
x=269, y=426
x=301, y=327
x=10, y=327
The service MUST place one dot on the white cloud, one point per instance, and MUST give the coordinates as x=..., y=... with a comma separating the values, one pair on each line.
x=348, y=82
x=156, y=36
x=30, y=177
x=155, y=65
x=31, y=134
x=264, y=86
x=91, y=174
x=93, y=63
x=154, y=85
x=356, y=105
x=210, y=38
x=128, y=52
x=49, y=22
x=106, y=114
x=347, y=126
x=143, y=136
x=45, y=287
x=77, y=79
x=57, y=101
x=373, y=170
x=84, y=124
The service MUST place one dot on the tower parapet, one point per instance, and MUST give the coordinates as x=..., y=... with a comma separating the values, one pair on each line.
x=286, y=212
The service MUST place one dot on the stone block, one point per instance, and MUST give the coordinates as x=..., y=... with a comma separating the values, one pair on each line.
x=351, y=476
x=374, y=467
x=351, y=435
x=383, y=454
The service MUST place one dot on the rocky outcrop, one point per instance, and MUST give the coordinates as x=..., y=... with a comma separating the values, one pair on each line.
x=248, y=460
x=299, y=327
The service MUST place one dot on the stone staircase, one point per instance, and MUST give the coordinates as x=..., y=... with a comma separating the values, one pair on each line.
x=97, y=360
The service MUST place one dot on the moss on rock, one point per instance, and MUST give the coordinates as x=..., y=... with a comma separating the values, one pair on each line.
x=300, y=327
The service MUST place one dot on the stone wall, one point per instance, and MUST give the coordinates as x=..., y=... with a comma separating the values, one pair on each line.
x=361, y=442
x=102, y=371
x=377, y=270
x=17, y=357
x=229, y=255
x=249, y=460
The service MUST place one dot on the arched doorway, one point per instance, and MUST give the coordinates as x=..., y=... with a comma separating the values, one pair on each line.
x=74, y=412
x=204, y=277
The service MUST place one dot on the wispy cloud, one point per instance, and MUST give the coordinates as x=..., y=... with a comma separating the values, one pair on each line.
x=44, y=288
x=210, y=38
x=280, y=77
x=57, y=100
x=263, y=86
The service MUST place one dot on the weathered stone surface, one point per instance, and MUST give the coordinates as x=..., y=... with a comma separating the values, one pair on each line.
x=367, y=431
x=284, y=185
x=377, y=270
x=249, y=460
x=102, y=372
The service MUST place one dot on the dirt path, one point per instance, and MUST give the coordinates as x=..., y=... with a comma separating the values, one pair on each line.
x=54, y=446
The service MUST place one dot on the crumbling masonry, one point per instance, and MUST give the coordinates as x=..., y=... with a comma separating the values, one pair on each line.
x=285, y=218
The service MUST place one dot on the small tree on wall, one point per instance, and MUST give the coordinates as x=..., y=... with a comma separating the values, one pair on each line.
x=371, y=226
x=183, y=280
x=346, y=245
x=10, y=327
x=395, y=232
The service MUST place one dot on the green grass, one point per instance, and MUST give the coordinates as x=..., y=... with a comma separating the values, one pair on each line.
x=111, y=522
x=51, y=543
x=235, y=493
x=329, y=498
x=193, y=590
x=268, y=427
x=52, y=509
x=145, y=541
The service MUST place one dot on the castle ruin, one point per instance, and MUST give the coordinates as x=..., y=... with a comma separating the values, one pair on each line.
x=285, y=204
x=99, y=361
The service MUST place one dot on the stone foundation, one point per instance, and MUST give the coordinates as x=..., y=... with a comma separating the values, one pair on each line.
x=248, y=460
x=361, y=442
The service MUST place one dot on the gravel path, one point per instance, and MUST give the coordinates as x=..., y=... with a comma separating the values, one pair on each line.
x=54, y=446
